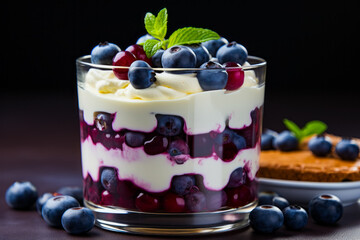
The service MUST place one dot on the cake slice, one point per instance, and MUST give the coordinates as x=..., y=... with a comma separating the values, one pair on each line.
x=302, y=165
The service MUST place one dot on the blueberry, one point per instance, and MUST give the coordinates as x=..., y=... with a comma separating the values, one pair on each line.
x=347, y=149
x=232, y=52
x=280, y=202
x=76, y=192
x=103, y=121
x=104, y=53
x=326, y=209
x=266, y=198
x=178, y=57
x=134, y=139
x=239, y=141
x=21, y=195
x=320, y=146
x=213, y=45
x=109, y=179
x=169, y=125
x=202, y=54
x=178, y=151
x=141, y=75
x=182, y=185
x=237, y=178
x=213, y=77
x=143, y=38
x=295, y=217
x=286, y=141
x=42, y=200
x=55, y=207
x=267, y=139
x=266, y=219
x=195, y=202
x=225, y=137
x=156, y=58
x=78, y=220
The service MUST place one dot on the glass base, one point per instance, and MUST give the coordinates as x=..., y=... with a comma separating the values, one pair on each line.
x=180, y=224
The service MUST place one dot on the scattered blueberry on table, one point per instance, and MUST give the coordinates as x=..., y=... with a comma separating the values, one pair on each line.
x=295, y=217
x=21, y=195
x=326, y=209
x=280, y=202
x=60, y=209
x=266, y=218
x=78, y=220
x=275, y=211
x=54, y=208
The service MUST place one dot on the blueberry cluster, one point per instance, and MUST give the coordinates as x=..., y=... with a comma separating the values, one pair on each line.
x=274, y=211
x=59, y=209
x=187, y=193
x=284, y=141
x=221, y=59
x=170, y=138
x=319, y=145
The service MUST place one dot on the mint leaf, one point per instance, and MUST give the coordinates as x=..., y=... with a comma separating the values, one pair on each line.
x=157, y=26
x=151, y=46
x=191, y=35
x=314, y=127
x=293, y=128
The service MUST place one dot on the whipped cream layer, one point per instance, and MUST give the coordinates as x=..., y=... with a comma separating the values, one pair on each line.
x=154, y=172
x=175, y=94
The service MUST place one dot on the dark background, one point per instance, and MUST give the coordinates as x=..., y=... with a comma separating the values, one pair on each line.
x=311, y=48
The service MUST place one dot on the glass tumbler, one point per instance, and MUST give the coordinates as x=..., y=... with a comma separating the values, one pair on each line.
x=171, y=159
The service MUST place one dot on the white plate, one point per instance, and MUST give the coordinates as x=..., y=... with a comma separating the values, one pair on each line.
x=299, y=192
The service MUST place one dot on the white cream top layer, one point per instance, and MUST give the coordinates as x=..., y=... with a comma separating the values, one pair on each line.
x=172, y=94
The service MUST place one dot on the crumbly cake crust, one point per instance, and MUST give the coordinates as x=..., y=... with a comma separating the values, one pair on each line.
x=302, y=165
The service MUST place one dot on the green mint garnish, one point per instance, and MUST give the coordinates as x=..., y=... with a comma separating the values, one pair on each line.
x=156, y=26
x=310, y=128
x=191, y=35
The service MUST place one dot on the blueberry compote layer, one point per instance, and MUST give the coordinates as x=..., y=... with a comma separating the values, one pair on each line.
x=188, y=192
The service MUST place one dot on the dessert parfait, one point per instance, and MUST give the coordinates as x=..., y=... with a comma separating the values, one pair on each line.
x=170, y=131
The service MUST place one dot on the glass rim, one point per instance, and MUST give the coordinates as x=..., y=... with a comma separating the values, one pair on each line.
x=82, y=60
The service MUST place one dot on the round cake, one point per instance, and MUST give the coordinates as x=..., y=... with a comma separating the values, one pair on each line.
x=302, y=165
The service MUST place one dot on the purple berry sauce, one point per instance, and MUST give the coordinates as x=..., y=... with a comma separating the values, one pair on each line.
x=240, y=190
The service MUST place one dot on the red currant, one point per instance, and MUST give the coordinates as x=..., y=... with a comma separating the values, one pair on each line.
x=139, y=53
x=235, y=76
x=123, y=59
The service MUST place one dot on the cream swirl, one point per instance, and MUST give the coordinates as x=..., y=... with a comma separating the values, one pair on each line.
x=167, y=85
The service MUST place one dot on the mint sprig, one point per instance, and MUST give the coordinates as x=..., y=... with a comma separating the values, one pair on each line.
x=310, y=128
x=156, y=26
x=191, y=35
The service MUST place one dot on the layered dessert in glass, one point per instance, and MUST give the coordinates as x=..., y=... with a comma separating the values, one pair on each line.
x=170, y=150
